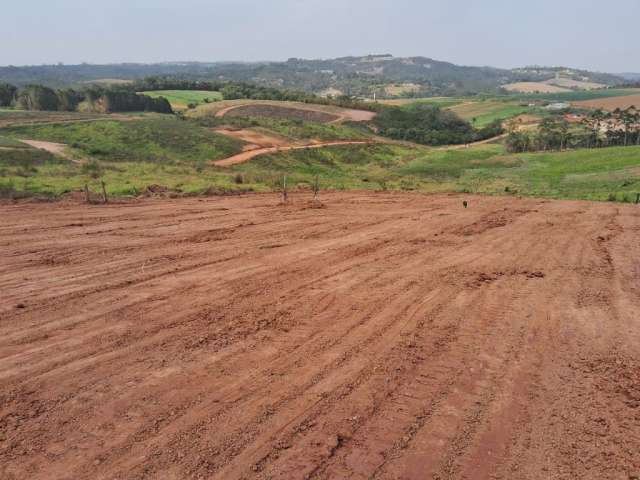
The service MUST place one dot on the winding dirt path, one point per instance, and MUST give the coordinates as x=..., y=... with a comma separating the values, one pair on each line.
x=473, y=144
x=385, y=336
x=250, y=154
x=59, y=149
x=343, y=114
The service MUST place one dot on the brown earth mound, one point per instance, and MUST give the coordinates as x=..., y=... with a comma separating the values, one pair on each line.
x=385, y=336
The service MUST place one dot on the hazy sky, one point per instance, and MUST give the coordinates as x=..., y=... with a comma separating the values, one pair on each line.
x=504, y=33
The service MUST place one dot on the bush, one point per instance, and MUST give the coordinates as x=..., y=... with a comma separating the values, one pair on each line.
x=93, y=169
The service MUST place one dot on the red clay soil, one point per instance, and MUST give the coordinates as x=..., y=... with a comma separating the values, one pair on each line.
x=384, y=336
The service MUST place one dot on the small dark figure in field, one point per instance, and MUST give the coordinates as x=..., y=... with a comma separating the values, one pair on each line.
x=465, y=204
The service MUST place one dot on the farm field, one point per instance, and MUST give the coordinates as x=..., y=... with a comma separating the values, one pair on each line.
x=442, y=102
x=482, y=113
x=534, y=87
x=611, y=103
x=574, y=96
x=385, y=335
x=181, y=99
x=579, y=84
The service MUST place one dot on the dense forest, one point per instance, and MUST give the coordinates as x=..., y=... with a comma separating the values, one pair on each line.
x=429, y=125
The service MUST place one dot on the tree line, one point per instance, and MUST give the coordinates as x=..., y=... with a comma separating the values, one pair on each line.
x=595, y=130
x=235, y=90
x=99, y=99
x=123, y=98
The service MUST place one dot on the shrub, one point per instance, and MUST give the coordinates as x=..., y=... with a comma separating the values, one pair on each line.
x=92, y=168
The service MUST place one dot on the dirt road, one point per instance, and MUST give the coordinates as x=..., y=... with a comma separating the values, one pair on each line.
x=251, y=154
x=59, y=149
x=385, y=336
x=341, y=114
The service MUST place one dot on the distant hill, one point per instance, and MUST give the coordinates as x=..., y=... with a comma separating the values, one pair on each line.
x=363, y=76
x=634, y=77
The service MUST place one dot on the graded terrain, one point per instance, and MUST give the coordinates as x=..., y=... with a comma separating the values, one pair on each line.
x=375, y=335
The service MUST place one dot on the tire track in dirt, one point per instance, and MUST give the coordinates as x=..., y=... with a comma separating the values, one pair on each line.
x=386, y=336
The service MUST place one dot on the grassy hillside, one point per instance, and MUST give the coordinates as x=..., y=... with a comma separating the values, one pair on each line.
x=176, y=154
x=180, y=99
x=603, y=174
x=156, y=140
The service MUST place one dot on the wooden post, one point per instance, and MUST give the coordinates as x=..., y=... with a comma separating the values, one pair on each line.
x=284, y=189
x=105, y=199
x=87, y=196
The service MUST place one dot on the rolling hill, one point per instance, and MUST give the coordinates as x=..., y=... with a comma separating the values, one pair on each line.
x=355, y=75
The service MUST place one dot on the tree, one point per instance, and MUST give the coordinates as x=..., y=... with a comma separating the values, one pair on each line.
x=38, y=97
x=629, y=118
x=7, y=94
x=517, y=142
x=68, y=100
x=594, y=123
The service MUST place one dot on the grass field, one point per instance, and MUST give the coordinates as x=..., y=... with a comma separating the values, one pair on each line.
x=482, y=113
x=602, y=174
x=156, y=140
x=180, y=99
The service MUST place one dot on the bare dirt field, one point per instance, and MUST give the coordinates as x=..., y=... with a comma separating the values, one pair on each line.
x=611, y=103
x=384, y=336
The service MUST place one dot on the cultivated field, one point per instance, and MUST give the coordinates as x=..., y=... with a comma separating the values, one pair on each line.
x=534, y=87
x=578, y=95
x=441, y=102
x=610, y=104
x=570, y=83
x=482, y=113
x=382, y=336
